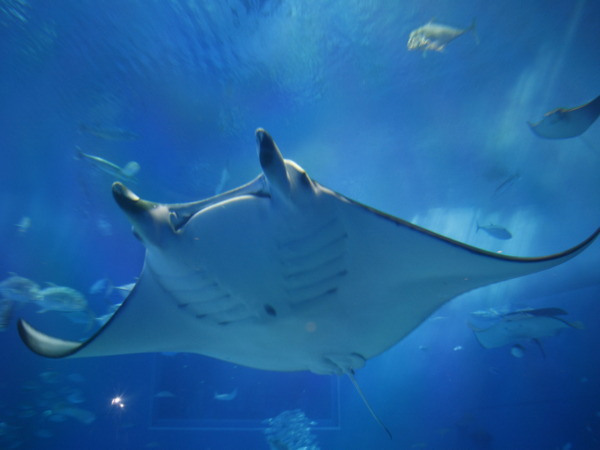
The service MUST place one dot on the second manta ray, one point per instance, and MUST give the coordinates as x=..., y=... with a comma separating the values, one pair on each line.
x=523, y=324
x=284, y=274
x=565, y=123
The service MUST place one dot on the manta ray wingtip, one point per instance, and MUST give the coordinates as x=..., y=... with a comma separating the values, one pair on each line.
x=45, y=345
x=271, y=160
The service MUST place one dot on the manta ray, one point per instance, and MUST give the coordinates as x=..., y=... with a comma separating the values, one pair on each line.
x=524, y=324
x=563, y=123
x=284, y=274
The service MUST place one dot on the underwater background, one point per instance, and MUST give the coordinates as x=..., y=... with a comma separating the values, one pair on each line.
x=438, y=138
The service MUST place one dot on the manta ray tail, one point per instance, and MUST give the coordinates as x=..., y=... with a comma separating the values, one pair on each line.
x=366, y=402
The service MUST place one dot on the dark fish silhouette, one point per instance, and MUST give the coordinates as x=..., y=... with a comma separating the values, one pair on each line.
x=495, y=231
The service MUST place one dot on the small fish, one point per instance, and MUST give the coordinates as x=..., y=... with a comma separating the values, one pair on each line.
x=50, y=376
x=125, y=289
x=75, y=397
x=108, y=133
x=506, y=184
x=435, y=36
x=486, y=314
x=517, y=350
x=23, y=225
x=164, y=394
x=54, y=417
x=227, y=396
x=20, y=289
x=104, y=227
x=126, y=173
x=495, y=231
x=80, y=414
x=76, y=378
x=62, y=299
x=102, y=288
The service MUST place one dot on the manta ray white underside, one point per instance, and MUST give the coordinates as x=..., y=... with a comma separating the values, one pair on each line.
x=284, y=274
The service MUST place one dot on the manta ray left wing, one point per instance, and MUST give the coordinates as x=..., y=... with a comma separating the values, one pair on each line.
x=285, y=274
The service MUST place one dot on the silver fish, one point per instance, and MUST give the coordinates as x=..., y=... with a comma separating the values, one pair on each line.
x=127, y=172
x=435, y=36
x=226, y=397
x=19, y=289
x=63, y=299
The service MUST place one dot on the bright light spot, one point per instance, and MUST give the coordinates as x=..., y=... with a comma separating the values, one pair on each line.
x=118, y=402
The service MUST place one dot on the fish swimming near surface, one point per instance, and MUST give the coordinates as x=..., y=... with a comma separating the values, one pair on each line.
x=435, y=36
x=126, y=173
x=495, y=231
x=226, y=397
x=563, y=123
x=284, y=274
x=524, y=324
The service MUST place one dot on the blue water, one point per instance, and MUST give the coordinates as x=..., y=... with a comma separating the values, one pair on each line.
x=180, y=87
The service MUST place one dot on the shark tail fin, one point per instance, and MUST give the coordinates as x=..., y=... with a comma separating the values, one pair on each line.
x=364, y=399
